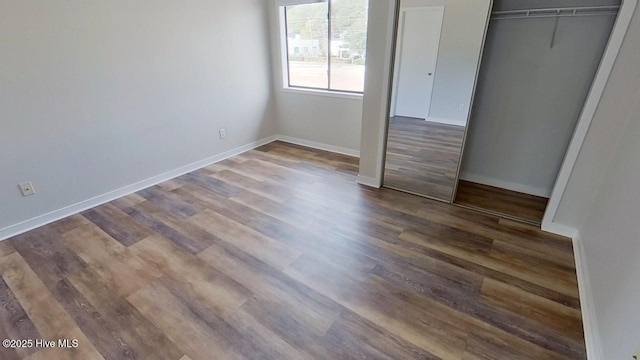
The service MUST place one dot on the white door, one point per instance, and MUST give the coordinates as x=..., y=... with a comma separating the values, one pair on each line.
x=418, y=42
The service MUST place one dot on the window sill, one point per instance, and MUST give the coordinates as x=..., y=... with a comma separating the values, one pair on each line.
x=326, y=93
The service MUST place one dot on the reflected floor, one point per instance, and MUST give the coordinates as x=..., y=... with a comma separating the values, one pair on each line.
x=423, y=156
x=526, y=207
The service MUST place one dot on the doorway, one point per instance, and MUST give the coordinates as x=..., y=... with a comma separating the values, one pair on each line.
x=419, y=40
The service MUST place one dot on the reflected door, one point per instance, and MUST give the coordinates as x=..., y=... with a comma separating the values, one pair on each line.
x=428, y=118
x=419, y=36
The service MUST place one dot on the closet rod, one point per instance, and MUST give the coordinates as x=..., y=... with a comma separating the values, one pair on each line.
x=556, y=12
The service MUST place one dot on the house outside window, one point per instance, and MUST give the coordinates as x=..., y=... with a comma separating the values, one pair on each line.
x=332, y=35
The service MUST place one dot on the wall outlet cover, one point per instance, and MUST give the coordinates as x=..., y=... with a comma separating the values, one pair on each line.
x=27, y=189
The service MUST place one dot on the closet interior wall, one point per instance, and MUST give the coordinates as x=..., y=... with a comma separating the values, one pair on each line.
x=531, y=89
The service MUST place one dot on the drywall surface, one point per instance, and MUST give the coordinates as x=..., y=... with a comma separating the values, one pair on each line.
x=529, y=98
x=376, y=90
x=608, y=125
x=458, y=55
x=306, y=115
x=611, y=246
x=97, y=95
x=602, y=201
x=327, y=120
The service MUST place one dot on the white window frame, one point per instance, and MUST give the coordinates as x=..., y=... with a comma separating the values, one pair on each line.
x=284, y=61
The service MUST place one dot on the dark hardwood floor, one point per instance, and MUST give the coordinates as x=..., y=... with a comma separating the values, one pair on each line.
x=423, y=156
x=514, y=204
x=278, y=254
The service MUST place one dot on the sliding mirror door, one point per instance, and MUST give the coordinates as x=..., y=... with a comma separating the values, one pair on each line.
x=438, y=49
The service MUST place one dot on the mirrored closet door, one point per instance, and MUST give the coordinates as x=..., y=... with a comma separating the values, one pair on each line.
x=438, y=47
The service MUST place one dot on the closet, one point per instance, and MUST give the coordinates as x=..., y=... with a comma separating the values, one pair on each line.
x=538, y=65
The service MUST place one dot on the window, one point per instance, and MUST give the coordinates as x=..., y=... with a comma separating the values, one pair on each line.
x=336, y=33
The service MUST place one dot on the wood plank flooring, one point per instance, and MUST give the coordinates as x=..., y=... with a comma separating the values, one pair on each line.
x=423, y=156
x=527, y=207
x=278, y=254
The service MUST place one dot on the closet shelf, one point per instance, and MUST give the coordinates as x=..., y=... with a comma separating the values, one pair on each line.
x=556, y=12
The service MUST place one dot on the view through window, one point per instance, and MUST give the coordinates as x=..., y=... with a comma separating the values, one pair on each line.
x=326, y=44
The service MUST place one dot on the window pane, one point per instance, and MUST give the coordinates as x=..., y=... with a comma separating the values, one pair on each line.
x=307, y=42
x=348, y=44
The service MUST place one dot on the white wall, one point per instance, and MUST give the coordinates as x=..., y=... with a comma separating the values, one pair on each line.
x=529, y=98
x=597, y=152
x=319, y=120
x=375, y=113
x=611, y=248
x=331, y=121
x=96, y=95
x=602, y=201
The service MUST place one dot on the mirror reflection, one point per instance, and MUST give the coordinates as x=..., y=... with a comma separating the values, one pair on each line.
x=437, y=55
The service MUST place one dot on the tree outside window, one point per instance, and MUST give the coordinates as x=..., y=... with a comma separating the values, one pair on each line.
x=336, y=33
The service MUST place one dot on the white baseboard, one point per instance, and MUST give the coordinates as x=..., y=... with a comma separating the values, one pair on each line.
x=592, y=339
x=447, y=121
x=62, y=213
x=559, y=229
x=532, y=190
x=16, y=229
x=369, y=181
x=319, y=146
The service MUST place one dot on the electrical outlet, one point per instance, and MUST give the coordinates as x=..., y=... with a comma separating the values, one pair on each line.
x=223, y=133
x=461, y=107
x=27, y=189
